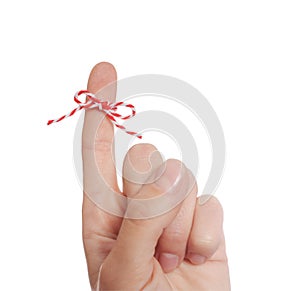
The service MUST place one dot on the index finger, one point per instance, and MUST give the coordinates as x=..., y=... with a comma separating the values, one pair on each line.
x=99, y=227
x=98, y=131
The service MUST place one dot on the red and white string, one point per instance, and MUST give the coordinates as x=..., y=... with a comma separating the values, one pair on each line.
x=109, y=108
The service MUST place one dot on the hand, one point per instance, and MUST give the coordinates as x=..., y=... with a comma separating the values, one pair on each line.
x=183, y=249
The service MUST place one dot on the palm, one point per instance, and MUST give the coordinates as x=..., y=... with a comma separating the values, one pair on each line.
x=212, y=275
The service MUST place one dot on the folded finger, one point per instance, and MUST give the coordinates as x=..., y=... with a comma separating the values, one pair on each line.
x=206, y=232
x=172, y=244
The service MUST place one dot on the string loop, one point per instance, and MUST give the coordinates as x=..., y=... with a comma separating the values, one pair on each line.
x=110, y=109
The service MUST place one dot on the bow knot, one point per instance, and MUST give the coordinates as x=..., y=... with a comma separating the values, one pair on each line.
x=110, y=109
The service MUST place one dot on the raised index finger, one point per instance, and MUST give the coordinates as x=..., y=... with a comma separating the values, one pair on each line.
x=99, y=227
x=98, y=132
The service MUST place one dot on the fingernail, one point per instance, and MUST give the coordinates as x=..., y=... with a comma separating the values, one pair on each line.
x=196, y=259
x=168, y=262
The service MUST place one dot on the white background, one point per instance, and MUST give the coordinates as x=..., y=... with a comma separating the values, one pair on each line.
x=242, y=55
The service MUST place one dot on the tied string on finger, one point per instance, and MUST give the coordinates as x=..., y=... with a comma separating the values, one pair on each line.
x=110, y=109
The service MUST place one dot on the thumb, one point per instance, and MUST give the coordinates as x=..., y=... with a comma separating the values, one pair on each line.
x=152, y=209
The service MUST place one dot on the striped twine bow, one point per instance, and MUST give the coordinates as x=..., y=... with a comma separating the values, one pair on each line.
x=105, y=106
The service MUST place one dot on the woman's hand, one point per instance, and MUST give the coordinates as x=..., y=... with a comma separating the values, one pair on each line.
x=183, y=249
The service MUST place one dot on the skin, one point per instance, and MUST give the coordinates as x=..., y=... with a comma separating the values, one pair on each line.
x=183, y=249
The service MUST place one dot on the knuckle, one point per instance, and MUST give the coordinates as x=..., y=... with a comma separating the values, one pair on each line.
x=212, y=201
x=103, y=145
x=205, y=244
x=215, y=202
x=175, y=162
x=177, y=236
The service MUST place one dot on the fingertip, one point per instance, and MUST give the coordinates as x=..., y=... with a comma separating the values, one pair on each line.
x=106, y=67
x=101, y=75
